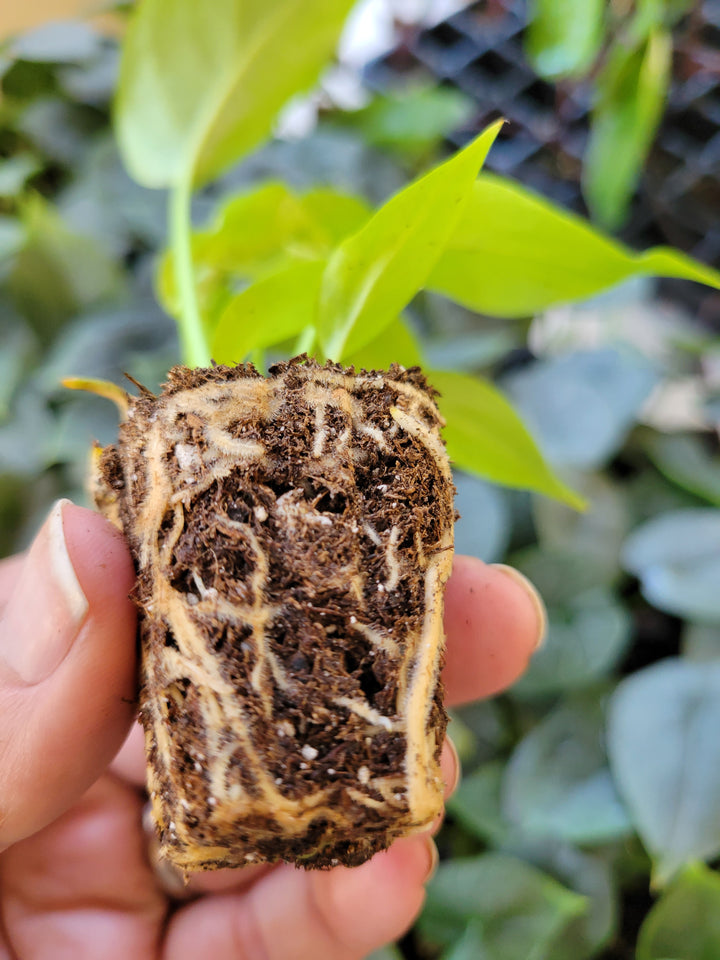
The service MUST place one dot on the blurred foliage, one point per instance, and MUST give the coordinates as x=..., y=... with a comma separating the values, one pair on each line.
x=588, y=821
x=625, y=49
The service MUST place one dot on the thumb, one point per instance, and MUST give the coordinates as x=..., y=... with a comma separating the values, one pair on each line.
x=67, y=668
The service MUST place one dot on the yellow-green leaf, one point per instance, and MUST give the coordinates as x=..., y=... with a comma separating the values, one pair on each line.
x=268, y=312
x=375, y=273
x=514, y=254
x=200, y=85
x=484, y=435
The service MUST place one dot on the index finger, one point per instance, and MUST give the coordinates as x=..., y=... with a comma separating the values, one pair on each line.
x=494, y=622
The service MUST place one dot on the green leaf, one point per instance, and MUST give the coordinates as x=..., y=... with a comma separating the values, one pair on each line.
x=685, y=922
x=386, y=953
x=686, y=461
x=521, y=909
x=564, y=37
x=268, y=312
x=412, y=121
x=396, y=344
x=586, y=637
x=15, y=171
x=197, y=92
x=676, y=555
x=515, y=254
x=471, y=945
x=476, y=803
x=255, y=229
x=591, y=876
x=12, y=238
x=375, y=273
x=76, y=273
x=665, y=756
x=631, y=94
x=485, y=436
x=258, y=232
x=557, y=781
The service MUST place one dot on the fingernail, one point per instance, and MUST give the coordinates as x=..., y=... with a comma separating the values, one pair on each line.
x=48, y=607
x=535, y=597
x=433, y=859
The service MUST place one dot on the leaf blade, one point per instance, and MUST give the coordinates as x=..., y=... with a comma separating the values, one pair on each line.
x=267, y=312
x=181, y=111
x=575, y=261
x=375, y=273
x=564, y=37
x=665, y=757
x=485, y=436
x=632, y=90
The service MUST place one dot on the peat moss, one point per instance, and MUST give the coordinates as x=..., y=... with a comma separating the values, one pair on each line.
x=292, y=537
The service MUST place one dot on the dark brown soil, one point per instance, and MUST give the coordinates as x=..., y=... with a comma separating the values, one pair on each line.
x=292, y=537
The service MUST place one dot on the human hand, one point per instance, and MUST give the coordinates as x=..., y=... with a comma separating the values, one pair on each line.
x=76, y=876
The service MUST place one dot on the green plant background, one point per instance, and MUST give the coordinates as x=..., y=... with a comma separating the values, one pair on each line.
x=588, y=820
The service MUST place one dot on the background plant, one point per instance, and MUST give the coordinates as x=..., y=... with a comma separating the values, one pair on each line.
x=551, y=840
x=625, y=50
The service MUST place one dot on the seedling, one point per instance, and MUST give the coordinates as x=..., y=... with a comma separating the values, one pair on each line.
x=293, y=533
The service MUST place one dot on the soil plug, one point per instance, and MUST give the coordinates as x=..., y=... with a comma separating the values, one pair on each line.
x=292, y=537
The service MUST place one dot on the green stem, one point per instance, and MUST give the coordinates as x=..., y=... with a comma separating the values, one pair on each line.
x=195, y=348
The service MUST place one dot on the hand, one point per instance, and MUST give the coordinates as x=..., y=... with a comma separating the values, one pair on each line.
x=76, y=879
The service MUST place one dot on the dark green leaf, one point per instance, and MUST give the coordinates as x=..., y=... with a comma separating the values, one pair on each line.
x=676, y=555
x=514, y=254
x=557, y=782
x=197, y=92
x=268, y=312
x=75, y=273
x=664, y=751
x=386, y=953
x=376, y=272
x=632, y=89
x=588, y=875
x=476, y=803
x=687, y=462
x=485, y=436
x=581, y=405
x=586, y=637
x=18, y=344
x=521, y=908
x=471, y=945
x=593, y=538
x=685, y=922
x=563, y=36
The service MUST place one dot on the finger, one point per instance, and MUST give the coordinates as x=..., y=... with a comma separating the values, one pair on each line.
x=340, y=914
x=129, y=762
x=67, y=668
x=494, y=621
x=9, y=572
x=81, y=888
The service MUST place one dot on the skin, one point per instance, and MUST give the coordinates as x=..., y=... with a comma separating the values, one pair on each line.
x=76, y=878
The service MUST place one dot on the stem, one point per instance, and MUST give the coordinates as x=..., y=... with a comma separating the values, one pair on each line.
x=195, y=348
